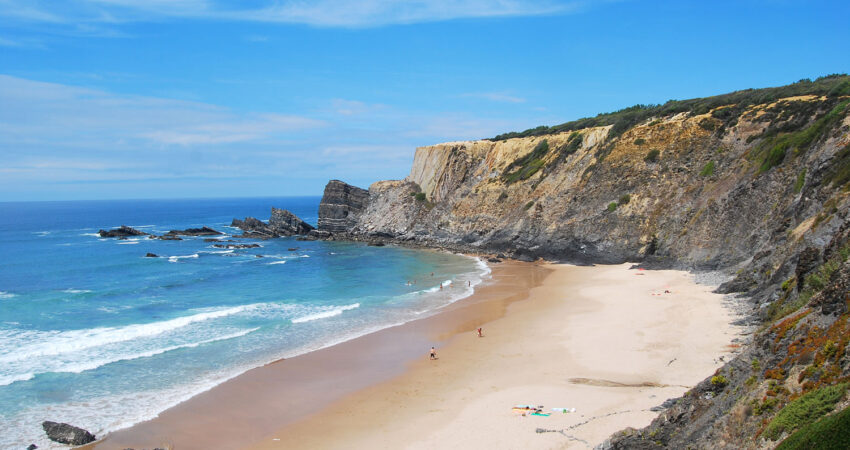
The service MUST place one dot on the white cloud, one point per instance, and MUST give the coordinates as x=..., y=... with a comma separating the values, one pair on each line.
x=324, y=13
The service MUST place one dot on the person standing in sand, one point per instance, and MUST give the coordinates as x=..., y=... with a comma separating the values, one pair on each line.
x=433, y=353
x=480, y=332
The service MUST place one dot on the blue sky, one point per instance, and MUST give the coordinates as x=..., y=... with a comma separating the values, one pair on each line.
x=217, y=98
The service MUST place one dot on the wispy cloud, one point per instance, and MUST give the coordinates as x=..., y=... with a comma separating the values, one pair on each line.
x=323, y=13
x=495, y=97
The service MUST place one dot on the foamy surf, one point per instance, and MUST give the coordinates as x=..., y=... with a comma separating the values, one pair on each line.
x=76, y=291
x=175, y=259
x=331, y=312
x=4, y=294
x=275, y=263
x=32, y=344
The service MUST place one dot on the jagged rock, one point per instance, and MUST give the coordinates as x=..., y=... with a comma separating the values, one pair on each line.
x=340, y=207
x=203, y=231
x=292, y=249
x=32, y=447
x=151, y=255
x=122, y=231
x=319, y=234
x=281, y=223
x=494, y=260
x=67, y=434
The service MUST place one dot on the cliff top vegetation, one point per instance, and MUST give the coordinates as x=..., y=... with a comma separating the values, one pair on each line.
x=830, y=85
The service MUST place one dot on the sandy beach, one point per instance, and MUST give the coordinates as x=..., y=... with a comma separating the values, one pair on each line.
x=609, y=341
x=606, y=340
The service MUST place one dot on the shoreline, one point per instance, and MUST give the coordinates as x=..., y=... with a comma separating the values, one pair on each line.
x=255, y=403
x=610, y=341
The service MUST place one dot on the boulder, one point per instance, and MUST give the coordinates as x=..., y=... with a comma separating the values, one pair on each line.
x=67, y=434
x=151, y=255
x=122, y=231
x=340, y=207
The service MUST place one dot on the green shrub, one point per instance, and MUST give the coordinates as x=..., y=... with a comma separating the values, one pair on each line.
x=787, y=284
x=502, y=196
x=529, y=205
x=612, y=206
x=719, y=381
x=829, y=433
x=652, y=156
x=756, y=364
x=752, y=379
x=805, y=410
x=420, y=197
x=708, y=169
x=801, y=179
x=839, y=169
x=625, y=199
x=764, y=406
x=640, y=141
x=708, y=124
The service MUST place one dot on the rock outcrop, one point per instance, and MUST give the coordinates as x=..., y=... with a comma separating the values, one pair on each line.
x=341, y=206
x=281, y=223
x=67, y=434
x=122, y=231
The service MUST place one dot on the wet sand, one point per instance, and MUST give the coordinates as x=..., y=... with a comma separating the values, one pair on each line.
x=253, y=406
x=605, y=340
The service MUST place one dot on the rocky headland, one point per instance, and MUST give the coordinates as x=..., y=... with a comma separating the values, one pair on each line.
x=751, y=185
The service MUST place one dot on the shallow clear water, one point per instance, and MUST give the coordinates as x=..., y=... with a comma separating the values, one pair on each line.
x=94, y=334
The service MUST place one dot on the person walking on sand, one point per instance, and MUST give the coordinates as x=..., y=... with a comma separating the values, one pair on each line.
x=480, y=332
x=433, y=353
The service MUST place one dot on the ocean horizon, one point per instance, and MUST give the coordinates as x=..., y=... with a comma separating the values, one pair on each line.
x=96, y=334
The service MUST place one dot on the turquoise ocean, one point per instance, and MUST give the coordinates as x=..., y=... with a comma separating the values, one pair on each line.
x=95, y=334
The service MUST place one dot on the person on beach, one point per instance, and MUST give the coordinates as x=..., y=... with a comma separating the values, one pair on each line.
x=441, y=286
x=433, y=353
x=480, y=332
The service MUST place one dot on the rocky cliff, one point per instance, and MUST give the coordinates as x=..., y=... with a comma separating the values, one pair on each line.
x=281, y=223
x=752, y=183
x=341, y=206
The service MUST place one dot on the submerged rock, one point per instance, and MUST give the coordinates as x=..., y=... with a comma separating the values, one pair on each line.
x=66, y=434
x=122, y=231
x=203, y=231
x=151, y=255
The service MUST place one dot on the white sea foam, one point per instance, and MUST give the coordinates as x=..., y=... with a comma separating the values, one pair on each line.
x=41, y=233
x=76, y=291
x=33, y=344
x=127, y=242
x=81, y=366
x=4, y=294
x=90, y=234
x=174, y=259
x=325, y=313
x=275, y=263
x=218, y=252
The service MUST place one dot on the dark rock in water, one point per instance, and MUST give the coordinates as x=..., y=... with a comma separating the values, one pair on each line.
x=340, y=207
x=32, y=447
x=376, y=244
x=494, y=260
x=66, y=434
x=260, y=256
x=281, y=223
x=236, y=245
x=305, y=238
x=122, y=231
x=151, y=255
x=168, y=237
x=122, y=238
x=292, y=249
x=287, y=223
x=203, y=231
x=212, y=240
